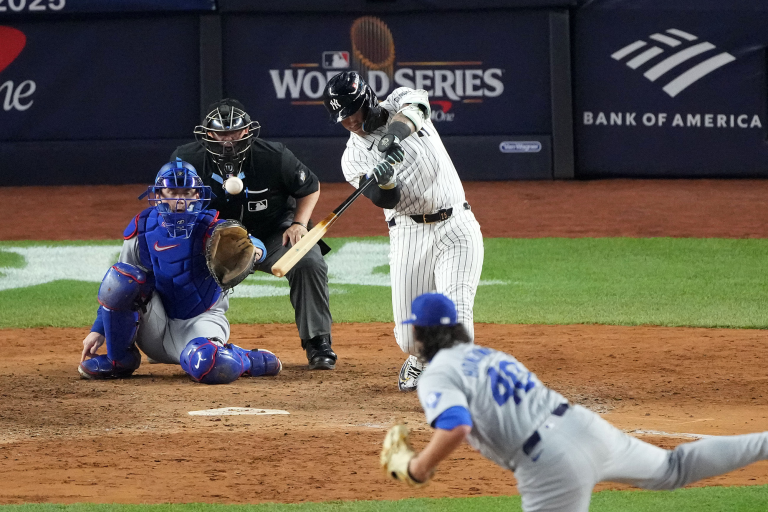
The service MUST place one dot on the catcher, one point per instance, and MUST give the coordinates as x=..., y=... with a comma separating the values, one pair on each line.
x=558, y=451
x=167, y=294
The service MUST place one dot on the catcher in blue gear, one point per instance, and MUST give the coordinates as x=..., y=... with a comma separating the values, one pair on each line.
x=166, y=294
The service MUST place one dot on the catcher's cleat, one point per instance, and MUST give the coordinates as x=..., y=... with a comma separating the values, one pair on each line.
x=102, y=367
x=264, y=363
x=409, y=374
x=319, y=353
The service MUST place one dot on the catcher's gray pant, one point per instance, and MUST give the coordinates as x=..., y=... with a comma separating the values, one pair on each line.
x=580, y=449
x=308, y=280
x=163, y=339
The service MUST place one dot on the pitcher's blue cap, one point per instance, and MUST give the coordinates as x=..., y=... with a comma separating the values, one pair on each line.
x=432, y=309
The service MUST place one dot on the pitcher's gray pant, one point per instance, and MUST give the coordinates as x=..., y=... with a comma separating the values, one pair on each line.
x=580, y=449
x=308, y=280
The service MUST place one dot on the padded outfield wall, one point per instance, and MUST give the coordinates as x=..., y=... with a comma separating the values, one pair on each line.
x=671, y=88
x=93, y=95
x=101, y=91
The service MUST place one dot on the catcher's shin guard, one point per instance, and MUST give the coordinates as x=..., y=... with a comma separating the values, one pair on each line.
x=211, y=361
x=102, y=367
x=119, y=330
x=263, y=363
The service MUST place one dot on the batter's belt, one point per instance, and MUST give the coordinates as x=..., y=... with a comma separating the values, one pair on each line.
x=430, y=218
x=532, y=441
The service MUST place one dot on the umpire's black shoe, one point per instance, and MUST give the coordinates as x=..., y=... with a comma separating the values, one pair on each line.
x=319, y=353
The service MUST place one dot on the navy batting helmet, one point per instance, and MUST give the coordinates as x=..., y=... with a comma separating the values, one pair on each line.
x=346, y=93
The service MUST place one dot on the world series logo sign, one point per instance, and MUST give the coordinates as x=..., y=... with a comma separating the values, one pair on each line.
x=373, y=55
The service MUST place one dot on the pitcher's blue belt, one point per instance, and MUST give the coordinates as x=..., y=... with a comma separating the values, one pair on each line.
x=431, y=218
x=532, y=441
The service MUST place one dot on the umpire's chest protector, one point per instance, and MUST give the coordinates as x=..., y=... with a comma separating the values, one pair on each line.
x=182, y=278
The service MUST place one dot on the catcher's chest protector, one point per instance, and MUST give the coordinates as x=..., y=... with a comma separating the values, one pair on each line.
x=182, y=278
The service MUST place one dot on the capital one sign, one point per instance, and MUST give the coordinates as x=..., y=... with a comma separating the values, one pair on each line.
x=13, y=96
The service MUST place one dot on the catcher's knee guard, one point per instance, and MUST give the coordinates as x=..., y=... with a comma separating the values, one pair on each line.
x=264, y=363
x=210, y=361
x=123, y=288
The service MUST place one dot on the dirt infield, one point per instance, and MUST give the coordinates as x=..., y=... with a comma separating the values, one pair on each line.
x=67, y=440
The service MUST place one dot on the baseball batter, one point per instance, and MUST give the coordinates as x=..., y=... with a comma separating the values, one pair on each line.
x=557, y=451
x=435, y=241
x=161, y=296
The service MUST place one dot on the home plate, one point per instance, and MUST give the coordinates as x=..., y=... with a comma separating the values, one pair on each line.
x=235, y=411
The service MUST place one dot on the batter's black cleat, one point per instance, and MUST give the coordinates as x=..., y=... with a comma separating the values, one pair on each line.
x=409, y=374
x=319, y=353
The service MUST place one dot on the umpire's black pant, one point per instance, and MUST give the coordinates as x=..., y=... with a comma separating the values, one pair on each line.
x=308, y=280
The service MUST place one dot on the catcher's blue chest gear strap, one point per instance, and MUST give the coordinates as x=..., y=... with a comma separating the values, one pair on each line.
x=182, y=277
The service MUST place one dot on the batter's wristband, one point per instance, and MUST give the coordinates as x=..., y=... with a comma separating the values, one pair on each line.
x=299, y=223
x=399, y=129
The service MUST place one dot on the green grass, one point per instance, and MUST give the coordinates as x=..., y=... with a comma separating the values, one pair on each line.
x=626, y=281
x=618, y=281
x=706, y=499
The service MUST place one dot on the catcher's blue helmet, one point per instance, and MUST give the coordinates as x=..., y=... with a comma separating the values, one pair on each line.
x=179, y=196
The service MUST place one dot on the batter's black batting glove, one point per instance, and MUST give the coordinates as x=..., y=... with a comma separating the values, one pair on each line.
x=384, y=174
x=393, y=152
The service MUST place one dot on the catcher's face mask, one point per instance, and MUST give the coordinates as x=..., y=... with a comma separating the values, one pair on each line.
x=179, y=196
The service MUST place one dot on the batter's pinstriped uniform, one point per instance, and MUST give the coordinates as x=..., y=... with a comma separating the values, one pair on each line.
x=445, y=256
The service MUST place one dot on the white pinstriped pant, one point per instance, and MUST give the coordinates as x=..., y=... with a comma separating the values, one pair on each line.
x=445, y=257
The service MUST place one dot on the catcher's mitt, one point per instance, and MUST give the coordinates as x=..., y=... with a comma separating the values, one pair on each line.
x=230, y=254
x=396, y=454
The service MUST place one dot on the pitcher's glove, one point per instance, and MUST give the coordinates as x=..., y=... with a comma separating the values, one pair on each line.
x=229, y=254
x=396, y=454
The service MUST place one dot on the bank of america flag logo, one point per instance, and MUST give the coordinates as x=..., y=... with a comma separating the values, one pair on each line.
x=675, y=69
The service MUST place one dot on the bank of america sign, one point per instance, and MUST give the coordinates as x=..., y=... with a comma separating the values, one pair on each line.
x=667, y=57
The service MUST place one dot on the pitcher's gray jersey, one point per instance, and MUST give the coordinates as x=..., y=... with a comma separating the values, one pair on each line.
x=507, y=402
x=559, y=452
x=445, y=256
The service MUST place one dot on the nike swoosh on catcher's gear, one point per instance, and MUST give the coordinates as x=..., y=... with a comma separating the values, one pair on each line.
x=160, y=249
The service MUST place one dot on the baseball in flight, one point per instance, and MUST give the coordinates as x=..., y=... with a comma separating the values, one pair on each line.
x=233, y=185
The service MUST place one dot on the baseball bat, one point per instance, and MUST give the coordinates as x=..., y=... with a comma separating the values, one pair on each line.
x=302, y=247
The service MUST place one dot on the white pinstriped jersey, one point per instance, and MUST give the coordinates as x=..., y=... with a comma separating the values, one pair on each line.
x=445, y=256
x=428, y=180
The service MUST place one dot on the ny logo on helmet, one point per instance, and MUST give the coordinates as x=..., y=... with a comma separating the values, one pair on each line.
x=335, y=104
